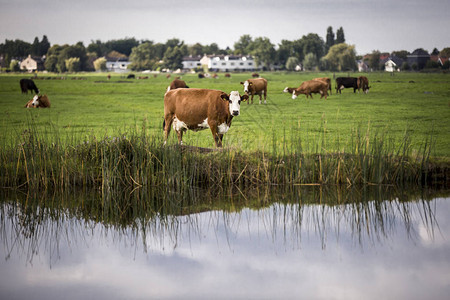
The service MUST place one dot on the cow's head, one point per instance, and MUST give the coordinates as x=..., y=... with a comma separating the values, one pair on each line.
x=35, y=101
x=246, y=84
x=234, y=100
x=288, y=90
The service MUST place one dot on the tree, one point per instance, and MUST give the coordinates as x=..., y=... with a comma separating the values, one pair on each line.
x=340, y=38
x=445, y=52
x=330, y=38
x=312, y=43
x=196, y=50
x=263, y=51
x=310, y=61
x=341, y=57
x=44, y=46
x=374, y=60
x=14, y=66
x=73, y=64
x=100, y=64
x=144, y=56
x=403, y=54
x=35, y=47
x=173, y=58
x=284, y=52
x=76, y=51
x=435, y=52
x=292, y=63
x=242, y=46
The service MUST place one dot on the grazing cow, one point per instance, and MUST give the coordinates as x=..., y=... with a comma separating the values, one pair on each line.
x=228, y=75
x=201, y=75
x=28, y=84
x=198, y=109
x=143, y=77
x=131, y=76
x=327, y=80
x=346, y=82
x=308, y=88
x=363, y=83
x=256, y=86
x=177, y=84
x=255, y=75
x=38, y=101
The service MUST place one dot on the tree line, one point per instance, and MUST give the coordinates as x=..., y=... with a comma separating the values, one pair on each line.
x=310, y=51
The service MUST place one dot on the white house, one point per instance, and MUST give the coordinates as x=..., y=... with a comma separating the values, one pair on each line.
x=32, y=63
x=392, y=63
x=191, y=62
x=118, y=65
x=228, y=63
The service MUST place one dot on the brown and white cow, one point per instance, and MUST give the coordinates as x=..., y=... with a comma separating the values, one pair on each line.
x=256, y=86
x=363, y=83
x=177, y=84
x=308, y=88
x=325, y=79
x=38, y=101
x=197, y=109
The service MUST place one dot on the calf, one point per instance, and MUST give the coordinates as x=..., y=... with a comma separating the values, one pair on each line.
x=256, y=86
x=38, y=101
x=177, y=84
x=28, y=84
x=363, y=83
x=197, y=109
x=308, y=88
x=346, y=82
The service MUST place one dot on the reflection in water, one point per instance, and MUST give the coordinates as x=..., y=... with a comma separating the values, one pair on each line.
x=249, y=238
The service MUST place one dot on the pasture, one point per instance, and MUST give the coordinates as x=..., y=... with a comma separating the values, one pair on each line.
x=411, y=106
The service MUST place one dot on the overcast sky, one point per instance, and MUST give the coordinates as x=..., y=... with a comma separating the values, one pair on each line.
x=384, y=25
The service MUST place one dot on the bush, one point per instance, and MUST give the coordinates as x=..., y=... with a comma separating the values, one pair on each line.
x=100, y=64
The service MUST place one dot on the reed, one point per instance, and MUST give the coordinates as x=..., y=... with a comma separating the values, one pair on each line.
x=41, y=160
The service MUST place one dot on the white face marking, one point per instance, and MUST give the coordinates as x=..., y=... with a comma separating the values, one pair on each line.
x=286, y=90
x=222, y=128
x=35, y=101
x=235, y=105
x=178, y=125
x=168, y=88
x=246, y=86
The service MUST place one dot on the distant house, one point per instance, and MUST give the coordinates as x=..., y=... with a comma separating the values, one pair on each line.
x=392, y=63
x=32, y=64
x=191, y=62
x=118, y=65
x=419, y=58
x=228, y=63
x=362, y=66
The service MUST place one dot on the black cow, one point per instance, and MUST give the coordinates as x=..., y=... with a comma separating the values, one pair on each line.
x=28, y=84
x=346, y=82
x=131, y=76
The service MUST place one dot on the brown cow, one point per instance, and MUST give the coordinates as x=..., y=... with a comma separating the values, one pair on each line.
x=255, y=75
x=38, y=101
x=256, y=86
x=198, y=109
x=327, y=80
x=309, y=87
x=363, y=83
x=177, y=84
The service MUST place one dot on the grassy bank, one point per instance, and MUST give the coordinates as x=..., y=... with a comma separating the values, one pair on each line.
x=41, y=160
x=85, y=105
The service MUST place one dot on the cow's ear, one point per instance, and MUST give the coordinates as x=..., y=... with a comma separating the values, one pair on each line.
x=244, y=98
x=225, y=97
x=242, y=82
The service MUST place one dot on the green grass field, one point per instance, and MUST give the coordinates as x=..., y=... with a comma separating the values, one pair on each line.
x=415, y=105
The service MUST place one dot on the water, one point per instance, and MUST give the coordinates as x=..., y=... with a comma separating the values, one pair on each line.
x=380, y=247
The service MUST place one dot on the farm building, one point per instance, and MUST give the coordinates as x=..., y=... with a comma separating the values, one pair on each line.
x=191, y=62
x=32, y=63
x=392, y=63
x=419, y=58
x=118, y=65
x=362, y=66
x=228, y=63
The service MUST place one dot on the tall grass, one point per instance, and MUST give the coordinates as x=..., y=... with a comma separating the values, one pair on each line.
x=137, y=159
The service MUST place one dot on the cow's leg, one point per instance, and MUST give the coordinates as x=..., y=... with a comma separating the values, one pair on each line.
x=167, y=126
x=180, y=136
x=216, y=136
x=265, y=96
x=260, y=97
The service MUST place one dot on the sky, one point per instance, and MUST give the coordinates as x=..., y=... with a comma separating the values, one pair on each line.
x=384, y=25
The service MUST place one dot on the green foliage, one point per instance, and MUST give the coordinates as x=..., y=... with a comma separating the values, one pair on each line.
x=14, y=66
x=341, y=57
x=310, y=62
x=73, y=64
x=340, y=37
x=292, y=63
x=374, y=60
x=100, y=64
x=329, y=38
